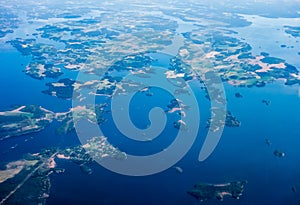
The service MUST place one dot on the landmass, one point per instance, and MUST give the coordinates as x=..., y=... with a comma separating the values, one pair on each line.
x=204, y=191
x=238, y=95
x=293, y=31
x=26, y=181
x=101, y=45
x=93, y=114
x=93, y=46
x=24, y=120
x=279, y=153
x=179, y=169
x=220, y=118
x=266, y=102
x=28, y=119
x=8, y=21
x=215, y=50
x=64, y=89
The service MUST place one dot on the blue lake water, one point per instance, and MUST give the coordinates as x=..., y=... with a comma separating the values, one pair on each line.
x=242, y=153
x=268, y=34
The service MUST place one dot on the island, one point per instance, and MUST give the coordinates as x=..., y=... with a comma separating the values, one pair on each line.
x=279, y=153
x=220, y=118
x=28, y=119
x=293, y=30
x=238, y=95
x=204, y=191
x=24, y=120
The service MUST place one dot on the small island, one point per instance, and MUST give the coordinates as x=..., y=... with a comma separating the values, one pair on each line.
x=292, y=30
x=221, y=118
x=204, y=191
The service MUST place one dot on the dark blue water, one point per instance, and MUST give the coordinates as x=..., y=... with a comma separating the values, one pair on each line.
x=241, y=154
x=20, y=89
x=17, y=88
